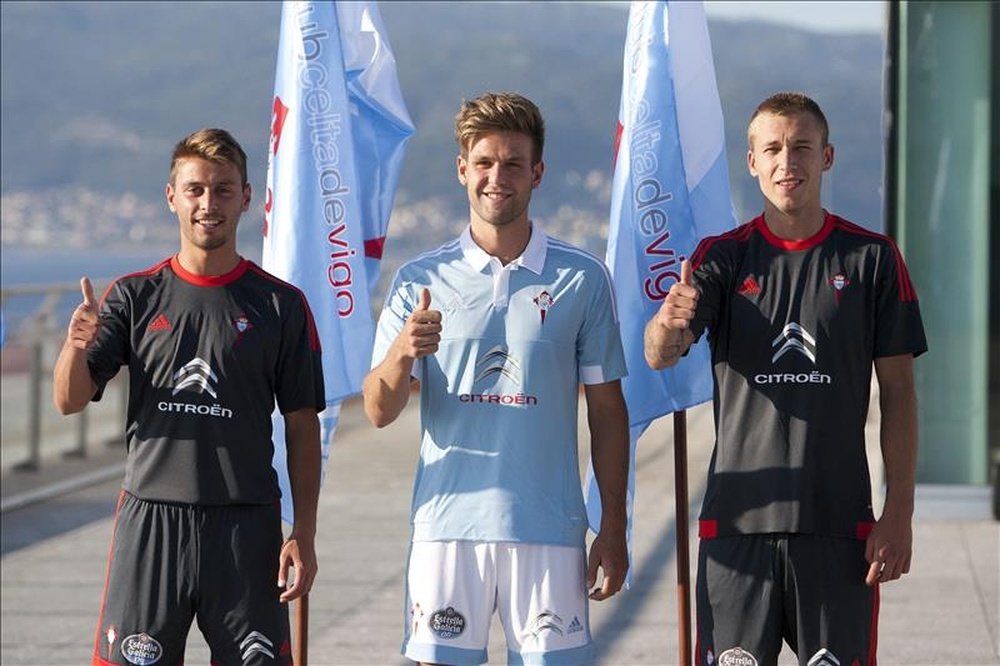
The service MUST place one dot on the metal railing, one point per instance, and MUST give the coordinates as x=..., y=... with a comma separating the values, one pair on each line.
x=31, y=345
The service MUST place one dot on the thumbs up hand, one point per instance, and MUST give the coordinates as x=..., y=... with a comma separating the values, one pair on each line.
x=678, y=308
x=422, y=332
x=84, y=324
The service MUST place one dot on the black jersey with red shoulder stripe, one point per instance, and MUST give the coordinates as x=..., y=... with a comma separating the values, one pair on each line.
x=794, y=328
x=208, y=359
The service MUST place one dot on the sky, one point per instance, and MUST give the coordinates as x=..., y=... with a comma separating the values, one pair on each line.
x=819, y=15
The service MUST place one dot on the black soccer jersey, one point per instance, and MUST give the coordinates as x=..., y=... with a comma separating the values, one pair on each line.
x=794, y=327
x=207, y=358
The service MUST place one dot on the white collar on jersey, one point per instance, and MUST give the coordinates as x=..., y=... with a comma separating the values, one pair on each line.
x=533, y=257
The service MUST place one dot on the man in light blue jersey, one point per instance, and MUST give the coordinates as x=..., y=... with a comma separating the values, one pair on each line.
x=501, y=326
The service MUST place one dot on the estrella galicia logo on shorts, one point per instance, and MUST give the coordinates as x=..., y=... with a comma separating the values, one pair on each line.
x=737, y=656
x=141, y=649
x=447, y=623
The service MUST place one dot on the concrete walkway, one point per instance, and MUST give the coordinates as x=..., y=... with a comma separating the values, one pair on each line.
x=945, y=612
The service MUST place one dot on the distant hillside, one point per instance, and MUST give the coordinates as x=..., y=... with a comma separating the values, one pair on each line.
x=95, y=94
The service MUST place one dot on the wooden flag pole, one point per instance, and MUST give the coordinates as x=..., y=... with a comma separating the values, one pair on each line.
x=683, y=561
x=300, y=632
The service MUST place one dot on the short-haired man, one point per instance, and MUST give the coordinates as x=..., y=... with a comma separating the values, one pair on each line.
x=501, y=326
x=798, y=304
x=211, y=342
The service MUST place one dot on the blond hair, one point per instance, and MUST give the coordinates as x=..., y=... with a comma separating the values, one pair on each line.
x=214, y=145
x=790, y=104
x=499, y=112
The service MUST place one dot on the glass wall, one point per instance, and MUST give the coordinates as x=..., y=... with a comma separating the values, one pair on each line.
x=941, y=214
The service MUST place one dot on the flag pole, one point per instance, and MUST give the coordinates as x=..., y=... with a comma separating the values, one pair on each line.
x=300, y=635
x=683, y=561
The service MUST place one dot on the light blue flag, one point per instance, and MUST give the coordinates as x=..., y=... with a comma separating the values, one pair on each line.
x=670, y=190
x=339, y=129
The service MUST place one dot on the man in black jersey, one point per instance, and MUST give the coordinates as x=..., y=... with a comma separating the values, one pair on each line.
x=798, y=305
x=212, y=343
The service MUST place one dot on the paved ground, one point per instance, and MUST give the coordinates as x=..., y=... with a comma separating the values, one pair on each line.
x=54, y=552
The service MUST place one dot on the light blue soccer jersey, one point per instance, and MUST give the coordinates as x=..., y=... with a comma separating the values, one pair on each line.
x=498, y=457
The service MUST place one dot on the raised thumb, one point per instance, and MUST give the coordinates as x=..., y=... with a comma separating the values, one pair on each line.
x=685, y=272
x=87, y=290
x=425, y=299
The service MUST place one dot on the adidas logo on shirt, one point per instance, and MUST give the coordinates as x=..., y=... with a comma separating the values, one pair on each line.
x=159, y=324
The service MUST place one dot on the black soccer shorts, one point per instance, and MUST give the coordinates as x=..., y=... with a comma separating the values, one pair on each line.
x=753, y=591
x=170, y=563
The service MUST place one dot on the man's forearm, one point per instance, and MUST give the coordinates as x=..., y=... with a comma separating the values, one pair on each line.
x=304, y=468
x=608, y=422
x=72, y=385
x=663, y=346
x=898, y=435
x=386, y=389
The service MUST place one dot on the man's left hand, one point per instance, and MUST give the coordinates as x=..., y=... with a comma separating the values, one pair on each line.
x=610, y=554
x=888, y=549
x=301, y=554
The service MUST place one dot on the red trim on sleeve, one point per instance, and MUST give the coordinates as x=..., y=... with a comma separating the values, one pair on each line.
x=740, y=234
x=906, y=291
x=708, y=529
x=156, y=268
x=862, y=530
x=314, y=342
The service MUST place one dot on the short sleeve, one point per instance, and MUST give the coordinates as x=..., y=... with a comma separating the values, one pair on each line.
x=398, y=306
x=600, y=357
x=709, y=276
x=299, y=380
x=899, y=328
x=110, y=350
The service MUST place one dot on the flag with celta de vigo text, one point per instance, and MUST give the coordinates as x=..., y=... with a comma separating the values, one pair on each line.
x=670, y=190
x=339, y=129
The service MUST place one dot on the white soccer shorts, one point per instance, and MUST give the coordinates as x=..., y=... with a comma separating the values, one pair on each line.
x=539, y=592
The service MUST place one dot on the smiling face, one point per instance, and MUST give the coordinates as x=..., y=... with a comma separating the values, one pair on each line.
x=499, y=175
x=788, y=155
x=208, y=197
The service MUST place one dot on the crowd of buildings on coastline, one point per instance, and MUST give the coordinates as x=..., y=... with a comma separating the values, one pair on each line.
x=81, y=218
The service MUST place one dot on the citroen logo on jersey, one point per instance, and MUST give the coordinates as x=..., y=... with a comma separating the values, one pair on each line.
x=497, y=362
x=196, y=376
x=256, y=642
x=794, y=338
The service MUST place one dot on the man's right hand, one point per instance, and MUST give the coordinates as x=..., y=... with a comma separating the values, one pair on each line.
x=677, y=309
x=668, y=334
x=85, y=323
x=422, y=332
